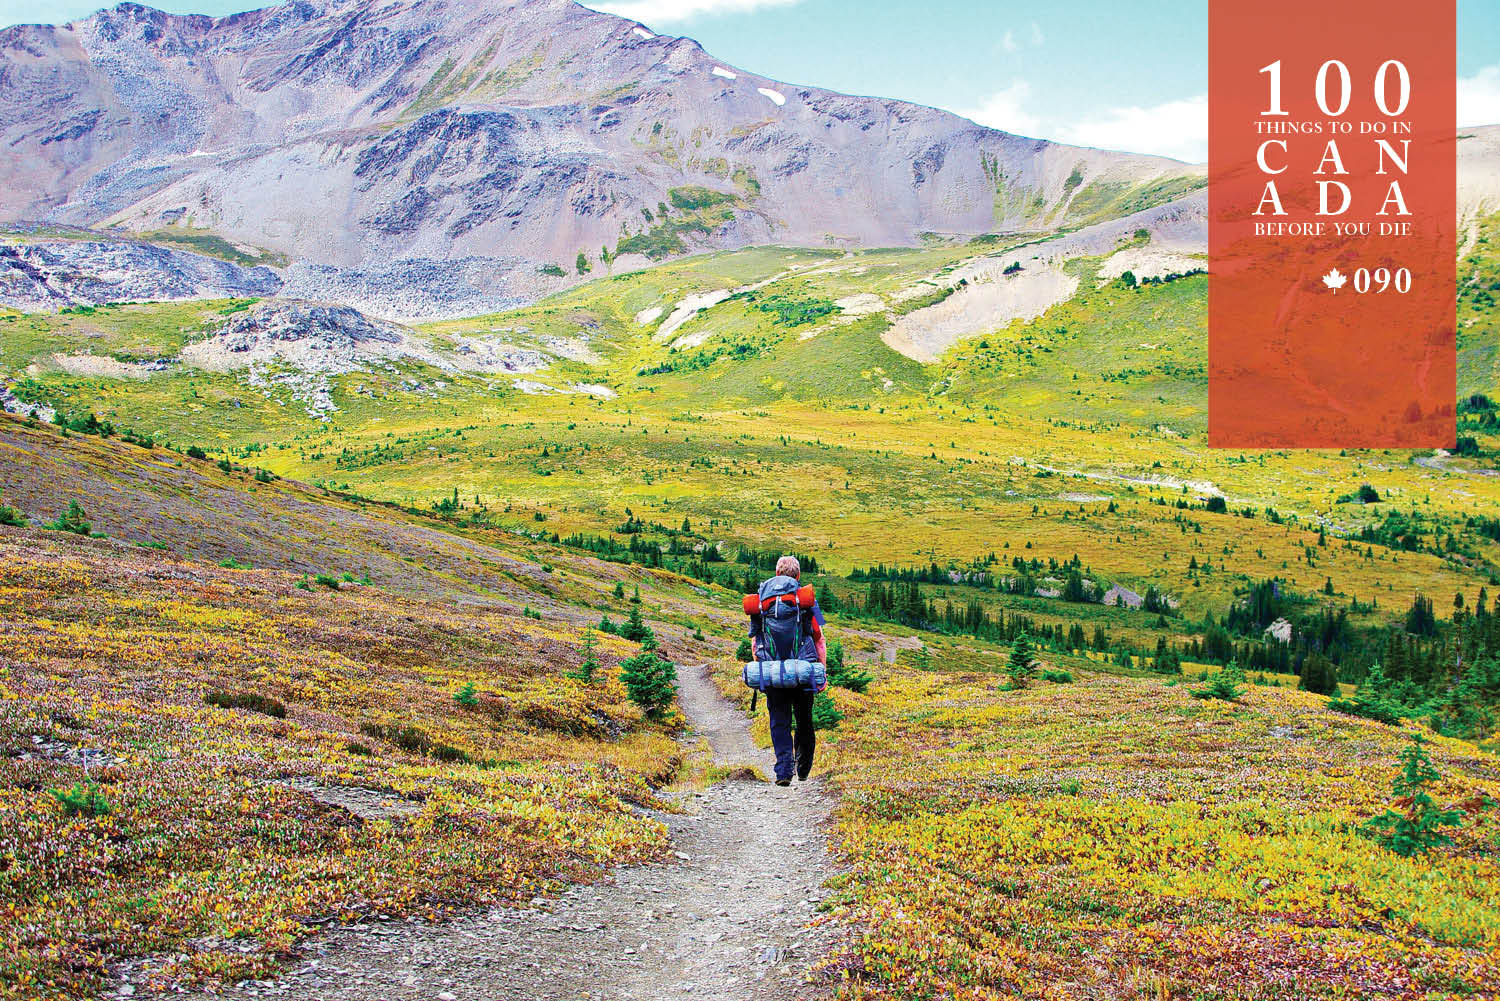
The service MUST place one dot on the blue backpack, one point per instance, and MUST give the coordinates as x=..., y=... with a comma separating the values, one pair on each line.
x=782, y=610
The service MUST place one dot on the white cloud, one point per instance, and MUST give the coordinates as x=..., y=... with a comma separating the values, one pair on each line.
x=1479, y=98
x=1012, y=42
x=669, y=11
x=1177, y=129
x=1003, y=110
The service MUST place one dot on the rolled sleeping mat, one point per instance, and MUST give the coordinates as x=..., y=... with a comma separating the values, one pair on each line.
x=766, y=674
x=804, y=599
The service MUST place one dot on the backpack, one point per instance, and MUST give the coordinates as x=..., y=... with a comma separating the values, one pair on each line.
x=784, y=609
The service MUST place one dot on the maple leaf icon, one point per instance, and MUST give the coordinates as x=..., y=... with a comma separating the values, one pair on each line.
x=1335, y=279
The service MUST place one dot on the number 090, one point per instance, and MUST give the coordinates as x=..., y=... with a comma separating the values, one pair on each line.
x=1381, y=280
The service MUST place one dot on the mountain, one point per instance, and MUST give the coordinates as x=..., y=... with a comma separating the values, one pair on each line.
x=436, y=157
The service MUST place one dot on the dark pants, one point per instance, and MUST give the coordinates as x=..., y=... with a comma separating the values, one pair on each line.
x=793, y=753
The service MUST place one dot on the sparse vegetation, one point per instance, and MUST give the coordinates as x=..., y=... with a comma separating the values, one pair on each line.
x=249, y=701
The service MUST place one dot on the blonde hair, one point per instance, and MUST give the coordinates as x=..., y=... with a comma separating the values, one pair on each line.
x=789, y=567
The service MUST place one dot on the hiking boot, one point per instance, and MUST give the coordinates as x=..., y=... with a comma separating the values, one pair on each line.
x=802, y=776
x=783, y=782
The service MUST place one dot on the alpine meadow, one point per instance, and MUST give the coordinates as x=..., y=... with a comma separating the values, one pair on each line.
x=399, y=400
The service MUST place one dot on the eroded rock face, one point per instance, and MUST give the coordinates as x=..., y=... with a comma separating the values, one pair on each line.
x=52, y=274
x=373, y=145
x=312, y=337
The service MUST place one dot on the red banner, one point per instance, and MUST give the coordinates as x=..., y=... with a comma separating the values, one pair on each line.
x=1332, y=223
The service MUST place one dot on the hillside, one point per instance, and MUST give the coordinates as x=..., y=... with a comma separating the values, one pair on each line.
x=269, y=783
x=431, y=156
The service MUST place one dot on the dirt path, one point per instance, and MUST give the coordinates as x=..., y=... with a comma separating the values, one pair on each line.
x=724, y=920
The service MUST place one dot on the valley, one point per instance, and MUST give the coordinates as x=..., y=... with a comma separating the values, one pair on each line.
x=396, y=401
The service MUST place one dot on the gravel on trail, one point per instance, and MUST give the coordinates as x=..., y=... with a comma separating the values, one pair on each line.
x=724, y=918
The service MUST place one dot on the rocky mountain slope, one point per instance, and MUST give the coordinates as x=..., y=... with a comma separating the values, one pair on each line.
x=423, y=157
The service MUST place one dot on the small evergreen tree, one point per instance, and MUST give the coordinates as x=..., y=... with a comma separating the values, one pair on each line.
x=825, y=714
x=1319, y=675
x=11, y=516
x=1227, y=685
x=1372, y=700
x=745, y=651
x=634, y=628
x=72, y=520
x=85, y=799
x=651, y=681
x=635, y=596
x=619, y=589
x=1022, y=664
x=590, y=663
x=1417, y=831
x=841, y=674
x=467, y=695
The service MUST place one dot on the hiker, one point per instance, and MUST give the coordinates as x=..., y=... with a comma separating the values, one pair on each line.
x=800, y=636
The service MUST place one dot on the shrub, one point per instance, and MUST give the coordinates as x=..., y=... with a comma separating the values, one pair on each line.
x=328, y=580
x=1417, y=831
x=194, y=452
x=1367, y=494
x=246, y=700
x=72, y=520
x=746, y=650
x=530, y=613
x=355, y=747
x=467, y=695
x=1060, y=677
x=651, y=682
x=409, y=738
x=85, y=799
x=11, y=516
x=619, y=589
x=842, y=675
x=693, y=197
x=825, y=715
x=552, y=270
x=1227, y=685
x=607, y=625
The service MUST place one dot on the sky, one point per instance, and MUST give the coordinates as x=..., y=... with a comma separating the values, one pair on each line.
x=1102, y=73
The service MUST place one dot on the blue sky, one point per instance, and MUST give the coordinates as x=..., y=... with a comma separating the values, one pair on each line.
x=1095, y=72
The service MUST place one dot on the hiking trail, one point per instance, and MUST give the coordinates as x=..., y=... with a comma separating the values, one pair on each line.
x=723, y=918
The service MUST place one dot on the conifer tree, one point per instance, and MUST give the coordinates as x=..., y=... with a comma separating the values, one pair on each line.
x=1416, y=831
x=590, y=663
x=650, y=680
x=1021, y=665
